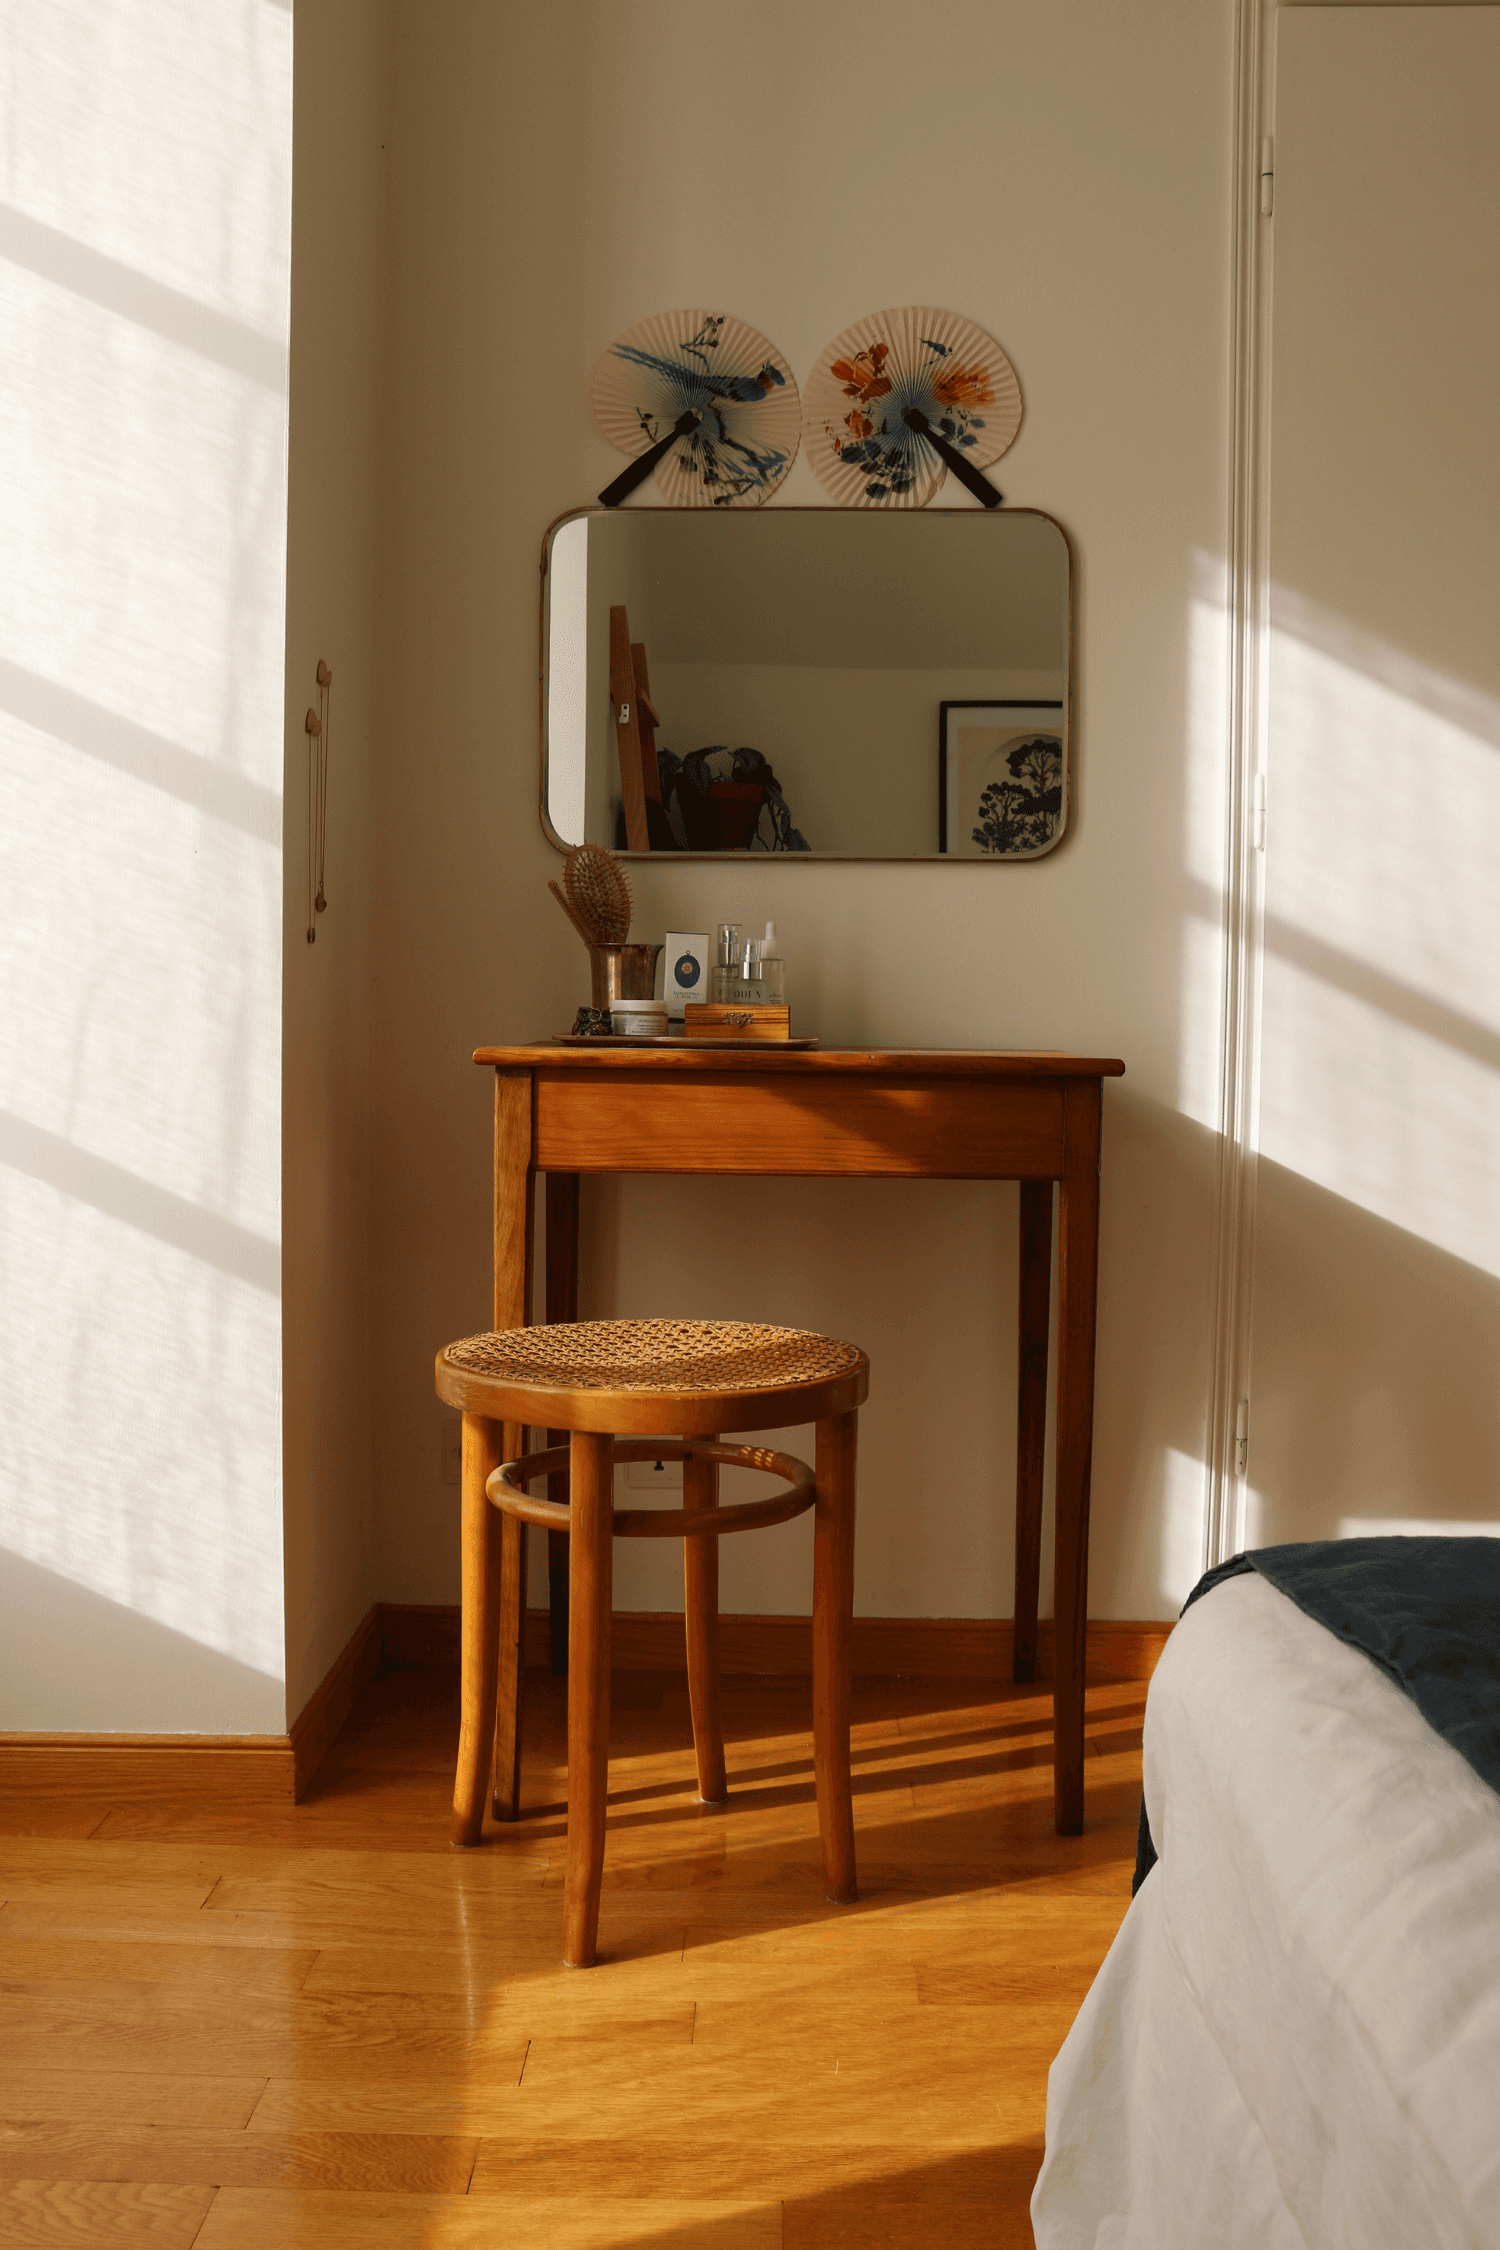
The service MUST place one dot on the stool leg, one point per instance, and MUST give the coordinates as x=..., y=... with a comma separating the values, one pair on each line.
x=505, y=1801
x=480, y=1644
x=562, y=1305
x=590, y=1598
x=833, y=1618
x=700, y=1572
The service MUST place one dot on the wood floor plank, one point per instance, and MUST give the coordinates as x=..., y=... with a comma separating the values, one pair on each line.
x=535, y=2009
x=99, y=2097
x=823, y=2091
x=21, y=1816
x=29, y=1862
x=174, y=2156
x=441, y=2107
x=100, y=1918
x=1015, y=1984
x=755, y=2008
x=846, y=2222
x=246, y=2219
x=999, y=1930
x=443, y=2057
x=209, y=1969
x=652, y=1944
x=672, y=2167
x=361, y=1890
x=658, y=1871
x=474, y=1923
x=143, y=2028
x=806, y=1946
x=141, y=1900
x=51, y=2214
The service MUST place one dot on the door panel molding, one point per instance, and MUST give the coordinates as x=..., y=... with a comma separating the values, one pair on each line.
x=1248, y=660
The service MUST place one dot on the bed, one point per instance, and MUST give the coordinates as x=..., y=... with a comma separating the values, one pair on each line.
x=1295, y=2038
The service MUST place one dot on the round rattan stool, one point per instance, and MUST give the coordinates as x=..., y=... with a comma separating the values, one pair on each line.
x=607, y=1384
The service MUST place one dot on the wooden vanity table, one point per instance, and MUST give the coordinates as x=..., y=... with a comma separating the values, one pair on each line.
x=845, y=1113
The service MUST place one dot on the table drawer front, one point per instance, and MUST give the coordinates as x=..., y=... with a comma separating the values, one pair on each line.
x=947, y=1129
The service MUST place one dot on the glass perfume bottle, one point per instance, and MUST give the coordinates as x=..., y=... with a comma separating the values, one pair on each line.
x=772, y=967
x=727, y=955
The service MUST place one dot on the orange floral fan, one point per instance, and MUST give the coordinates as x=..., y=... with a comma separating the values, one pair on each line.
x=901, y=398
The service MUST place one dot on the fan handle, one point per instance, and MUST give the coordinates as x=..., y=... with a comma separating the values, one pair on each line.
x=641, y=467
x=975, y=479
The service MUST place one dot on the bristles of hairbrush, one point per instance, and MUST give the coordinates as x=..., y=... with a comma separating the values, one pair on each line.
x=598, y=892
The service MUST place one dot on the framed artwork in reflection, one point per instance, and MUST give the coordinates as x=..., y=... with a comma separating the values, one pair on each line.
x=1002, y=779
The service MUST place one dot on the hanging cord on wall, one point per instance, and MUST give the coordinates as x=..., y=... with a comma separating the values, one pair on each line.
x=317, y=724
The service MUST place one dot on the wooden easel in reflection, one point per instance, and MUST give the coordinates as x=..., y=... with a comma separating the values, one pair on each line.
x=636, y=723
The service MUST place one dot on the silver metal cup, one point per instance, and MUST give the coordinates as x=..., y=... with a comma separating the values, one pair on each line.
x=623, y=972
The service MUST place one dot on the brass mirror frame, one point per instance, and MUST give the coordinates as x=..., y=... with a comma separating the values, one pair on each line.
x=815, y=859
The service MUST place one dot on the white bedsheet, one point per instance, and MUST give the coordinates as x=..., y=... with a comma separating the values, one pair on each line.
x=1295, y=2038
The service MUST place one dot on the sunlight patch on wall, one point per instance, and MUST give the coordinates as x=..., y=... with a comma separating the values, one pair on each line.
x=145, y=173
x=1200, y=1036
x=1381, y=1057
x=1183, y=1525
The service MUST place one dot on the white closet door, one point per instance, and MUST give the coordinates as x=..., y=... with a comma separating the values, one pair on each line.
x=1376, y=1345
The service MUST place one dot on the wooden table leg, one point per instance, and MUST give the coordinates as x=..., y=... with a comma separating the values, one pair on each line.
x=480, y=1626
x=700, y=1573
x=1031, y=1413
x=833, y=1620
x=562, y=1304
x=514, y=1182
x=1078, y=1280
x=591, y=1562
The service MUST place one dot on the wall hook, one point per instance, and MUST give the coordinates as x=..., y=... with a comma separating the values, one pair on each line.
x=317, y=727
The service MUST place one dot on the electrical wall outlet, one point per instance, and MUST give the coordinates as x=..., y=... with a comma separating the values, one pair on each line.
x=451, y=1449
x=658, y=1476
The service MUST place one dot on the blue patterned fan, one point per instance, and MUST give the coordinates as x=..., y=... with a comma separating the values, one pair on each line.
x=703, y=400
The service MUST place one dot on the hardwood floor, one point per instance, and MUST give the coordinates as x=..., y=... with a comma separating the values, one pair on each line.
x=325, y=2026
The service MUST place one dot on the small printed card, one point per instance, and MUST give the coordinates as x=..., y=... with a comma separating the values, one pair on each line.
x=686, y=975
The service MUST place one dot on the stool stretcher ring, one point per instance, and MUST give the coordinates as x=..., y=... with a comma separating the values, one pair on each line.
x=506, y=1489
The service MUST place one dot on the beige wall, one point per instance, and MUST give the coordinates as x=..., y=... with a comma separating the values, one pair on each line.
x=1060, y=174
x=337, y=266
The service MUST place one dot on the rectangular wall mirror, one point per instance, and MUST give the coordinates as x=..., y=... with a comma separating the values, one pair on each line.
x=823, y=682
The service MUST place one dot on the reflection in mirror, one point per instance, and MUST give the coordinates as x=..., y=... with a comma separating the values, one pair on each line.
x=816, y=681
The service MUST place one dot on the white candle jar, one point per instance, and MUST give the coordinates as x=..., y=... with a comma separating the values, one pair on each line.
x=638, y=1019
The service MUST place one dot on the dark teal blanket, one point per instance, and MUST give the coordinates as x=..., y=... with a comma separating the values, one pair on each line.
x=1427, y=1611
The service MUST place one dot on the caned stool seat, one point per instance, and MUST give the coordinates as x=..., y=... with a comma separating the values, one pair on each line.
x=685, y=1382
x=620, y=1375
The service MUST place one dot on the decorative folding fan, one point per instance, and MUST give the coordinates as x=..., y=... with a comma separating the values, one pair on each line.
x=704, y=400
x=899, y=399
